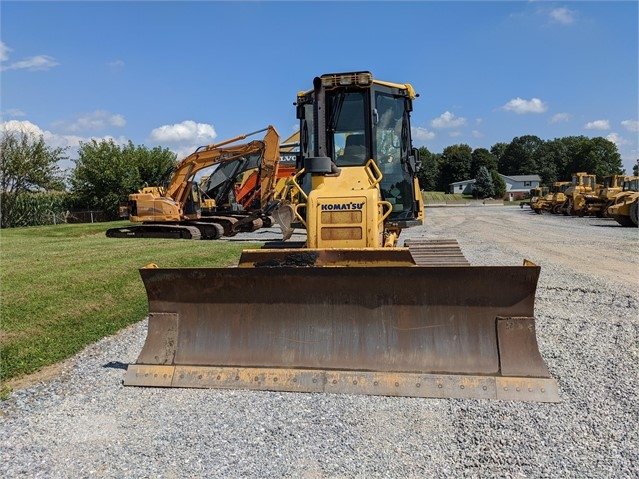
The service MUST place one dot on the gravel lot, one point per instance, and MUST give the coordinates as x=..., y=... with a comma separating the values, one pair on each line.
x=84, y=423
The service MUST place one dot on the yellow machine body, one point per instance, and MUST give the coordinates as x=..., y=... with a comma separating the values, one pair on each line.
x=349, y=311
x=625, y=206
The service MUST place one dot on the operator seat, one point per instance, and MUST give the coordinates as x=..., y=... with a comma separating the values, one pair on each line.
x=354, y=151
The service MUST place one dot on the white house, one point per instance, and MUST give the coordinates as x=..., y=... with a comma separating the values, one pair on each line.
x=516, y=186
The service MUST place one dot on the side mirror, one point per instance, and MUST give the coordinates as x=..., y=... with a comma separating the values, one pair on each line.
x=413, y=160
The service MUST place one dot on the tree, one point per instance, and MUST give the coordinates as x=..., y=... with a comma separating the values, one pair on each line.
x=482, y=157
x=483, y=187
x=519, y=157
x=635, y=169
x=154, y=166
x=105, y=173
x=455, y=165
x=551, y=158
x=27, y=164
x=497, y=150
x=428, y=173
x=499, y=184
x=600, y=157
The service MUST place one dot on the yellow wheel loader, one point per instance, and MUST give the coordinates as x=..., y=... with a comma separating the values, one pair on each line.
x=625, y=208
x=176, y=211
x=350, y=311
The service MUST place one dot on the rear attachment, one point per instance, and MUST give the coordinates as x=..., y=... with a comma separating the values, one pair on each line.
x=450, y=331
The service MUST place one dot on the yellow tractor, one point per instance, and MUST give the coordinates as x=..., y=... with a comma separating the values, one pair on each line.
x=625, y=207
x=553, y=199
x=597, y=202
x=582, y=183
x=535, y=195
x=175, y=211
x=350, y=311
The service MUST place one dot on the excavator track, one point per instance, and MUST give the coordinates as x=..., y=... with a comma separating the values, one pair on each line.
x=174, y=231
x=443, y=252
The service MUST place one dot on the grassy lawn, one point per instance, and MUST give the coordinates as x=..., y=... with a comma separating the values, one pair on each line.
x=441, y=197
x=63, y=287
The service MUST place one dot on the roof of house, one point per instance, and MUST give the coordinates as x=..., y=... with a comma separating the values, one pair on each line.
x=465, y=182
x=523, y=177
x=518, y=178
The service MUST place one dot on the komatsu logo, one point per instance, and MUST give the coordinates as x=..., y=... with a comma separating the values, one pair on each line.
x=342, y=206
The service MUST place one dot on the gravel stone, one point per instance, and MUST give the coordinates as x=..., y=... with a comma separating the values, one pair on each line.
x=83, y=423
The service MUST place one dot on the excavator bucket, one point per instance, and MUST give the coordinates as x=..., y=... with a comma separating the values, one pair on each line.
x=445, y=332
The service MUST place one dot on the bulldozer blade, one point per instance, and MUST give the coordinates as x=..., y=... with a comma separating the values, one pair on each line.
x=465, y=332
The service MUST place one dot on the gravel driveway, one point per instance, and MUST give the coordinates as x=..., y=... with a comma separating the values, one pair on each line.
x=84, y=423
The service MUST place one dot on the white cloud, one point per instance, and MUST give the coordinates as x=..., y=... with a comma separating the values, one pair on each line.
x=116, y=64
x=37, y=63
x=455, y=134
x=617, y=139
x=562, y=15
x=14, y=112
x=477, y=134
x=597, y=125
x=22, y=127
x=186, y=132
x=92, y=121
x=448, y=120
x=422, y=134
x=521, y=106
x=54, y=140
x=4, y=51
x=559, y=118
x=631, y=125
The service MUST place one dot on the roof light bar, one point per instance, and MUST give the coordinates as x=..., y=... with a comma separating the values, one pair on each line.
x=346, y=79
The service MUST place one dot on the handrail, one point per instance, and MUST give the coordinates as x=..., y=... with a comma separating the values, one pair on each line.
x=371, y=167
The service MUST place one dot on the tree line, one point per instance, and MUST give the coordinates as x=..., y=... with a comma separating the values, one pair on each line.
x=34, y=189
x=553, y=160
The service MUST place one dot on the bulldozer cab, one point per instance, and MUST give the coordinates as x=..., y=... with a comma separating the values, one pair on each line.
x=588, y=182
x=363, y=120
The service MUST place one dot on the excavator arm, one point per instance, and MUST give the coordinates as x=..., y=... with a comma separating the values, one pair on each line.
x=205, y=156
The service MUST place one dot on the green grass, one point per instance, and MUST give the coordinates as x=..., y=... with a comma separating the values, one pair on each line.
x=63, y=287
x=441, y=197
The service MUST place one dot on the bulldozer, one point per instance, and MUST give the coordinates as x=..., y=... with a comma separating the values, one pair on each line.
x=596, y=203
x=625, y=207
x=175, y=211
x=582, y=184
x=350, y=311
x=534, y=196
x=553, y=199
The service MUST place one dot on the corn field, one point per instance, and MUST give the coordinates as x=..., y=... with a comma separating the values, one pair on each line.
x=34, y=209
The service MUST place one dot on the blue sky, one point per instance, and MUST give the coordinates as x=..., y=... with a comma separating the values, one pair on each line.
x=185, y=74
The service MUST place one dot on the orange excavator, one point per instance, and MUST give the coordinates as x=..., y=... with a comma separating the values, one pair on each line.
x=175, y=211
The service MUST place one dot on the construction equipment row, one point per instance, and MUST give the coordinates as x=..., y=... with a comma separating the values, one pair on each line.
x=616, y=197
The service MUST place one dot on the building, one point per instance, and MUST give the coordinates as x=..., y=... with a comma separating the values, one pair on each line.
x=517, y=187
